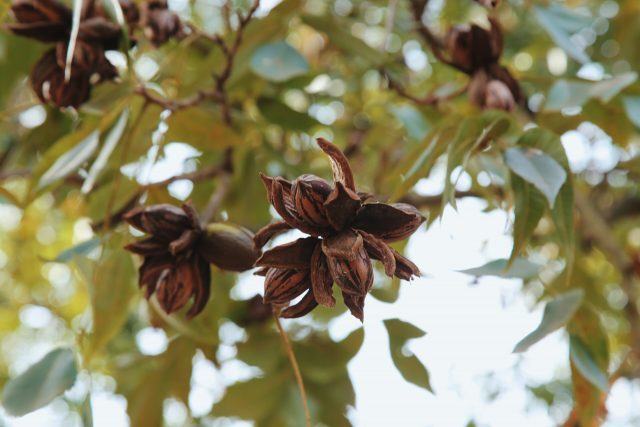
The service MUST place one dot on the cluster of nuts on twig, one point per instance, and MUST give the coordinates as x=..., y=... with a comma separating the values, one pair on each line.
x=346, y=228
x=65, y=83
x=475, y=51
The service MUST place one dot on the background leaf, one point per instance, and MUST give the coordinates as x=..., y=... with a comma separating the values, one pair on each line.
x=556, y=314
x=40, y=383
x=520, y=268
x=585, y=363
x=409, y=366
x=278, y=62
x=537, y=168
x=561, y=23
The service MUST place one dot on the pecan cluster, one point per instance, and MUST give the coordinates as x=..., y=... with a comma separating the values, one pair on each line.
x=178, y=251
x=50, y=21
x=476, y=51
x=346, y=231
x=159, y=23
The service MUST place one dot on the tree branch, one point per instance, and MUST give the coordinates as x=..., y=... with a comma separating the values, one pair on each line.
x=435, y=44
x=430, y=99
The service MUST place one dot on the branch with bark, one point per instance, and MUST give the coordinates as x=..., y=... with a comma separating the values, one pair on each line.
x=218, y=93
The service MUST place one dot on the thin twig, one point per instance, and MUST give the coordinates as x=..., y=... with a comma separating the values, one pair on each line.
x=230, y=54
x=216, y=199
x=176, y=104
x=435, y=44
x=430, y=99
x=296, y=369
x=218, y=93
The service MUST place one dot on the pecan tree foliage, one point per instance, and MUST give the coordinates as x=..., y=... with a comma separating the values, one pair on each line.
x=117, y=113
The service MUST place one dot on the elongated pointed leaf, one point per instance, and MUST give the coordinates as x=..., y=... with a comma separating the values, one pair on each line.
x=556, y=314
x=586, y=364
x=73, y=38
x=110, y=143
x=537, y=168
x=632, y=108
x=338, y=32
x=71, y=160
x=111, y=288
x=281, y=114
x=576, y=93
x=409, y=366
x=561, y=23
x=40, y=383
x=520, y=268
x=529, y=206
x=86, y=412
x=472, y=133
x=80, y=249
x=562, y=212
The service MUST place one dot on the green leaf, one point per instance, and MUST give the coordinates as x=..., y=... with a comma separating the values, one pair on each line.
x=409, y=366
x=538, y=169
x=86, y=413
x=426, y=155
x=147, y=381
x=278, y=62
x=265, y=394
x=81, y=249
x=529, y=206
x=196, y=127
x=562, y=212
x=520, y=268
x=388, y=292
x=74, y=148
x=576, y=93
x=561, y=23
x=111, y=288
x=110, y=143
x=586, y=364
x=340, y=36
x=281, y=114
x=632, y=108
x=593, y=344
x=556, y=314
x=40, y=383
x=412, y=120
x=472, y=133
x=70, y=161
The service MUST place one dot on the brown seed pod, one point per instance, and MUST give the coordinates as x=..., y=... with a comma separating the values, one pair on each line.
x=178, y=250
x=346, y=234
x=50, y=21
x=477, y=51
x=159, y=23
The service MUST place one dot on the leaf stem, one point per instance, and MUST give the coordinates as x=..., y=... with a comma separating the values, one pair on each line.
x=296, y=369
